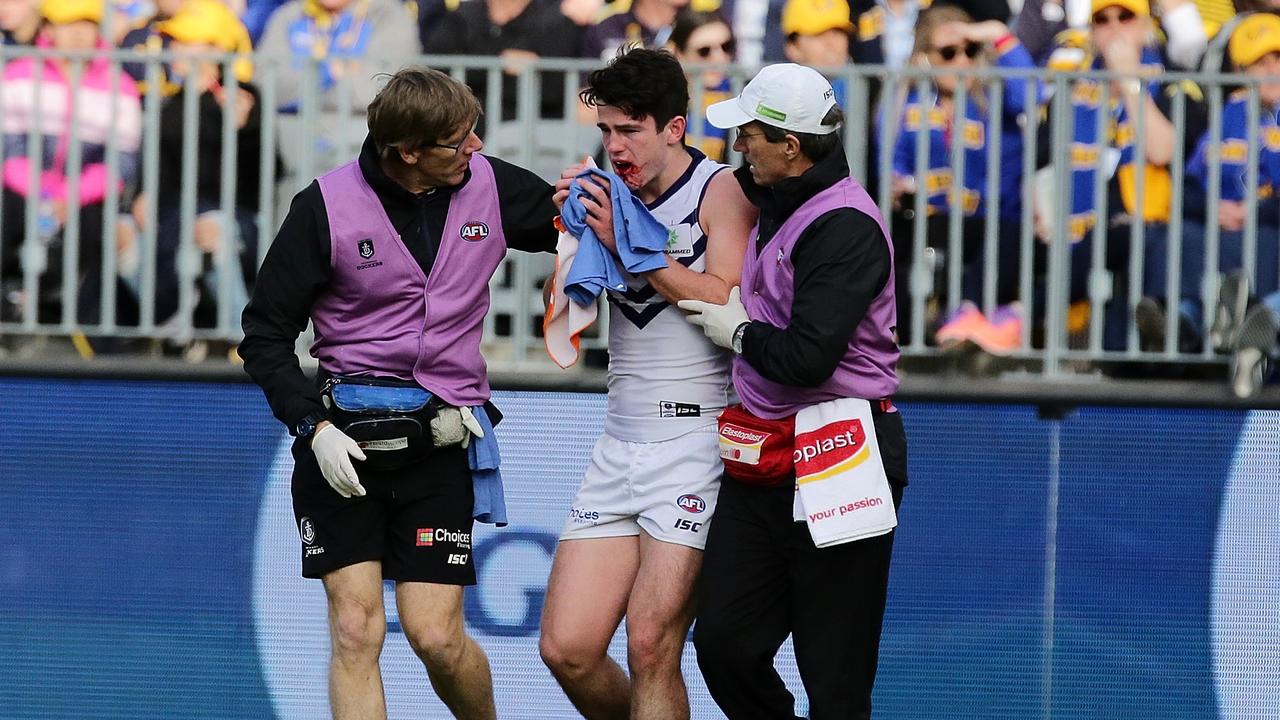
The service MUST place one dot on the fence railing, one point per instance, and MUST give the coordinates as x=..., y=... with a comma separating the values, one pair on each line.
x=81, y=255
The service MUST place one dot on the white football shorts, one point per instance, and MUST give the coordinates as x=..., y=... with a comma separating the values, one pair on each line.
x=668, y=489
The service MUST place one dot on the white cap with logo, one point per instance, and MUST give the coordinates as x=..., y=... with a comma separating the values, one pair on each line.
x=788, y=96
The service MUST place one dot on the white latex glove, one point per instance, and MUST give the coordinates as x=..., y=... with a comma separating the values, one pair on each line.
x=454, y=426
x=718, y=321
x=470, y=423
x=334, y=450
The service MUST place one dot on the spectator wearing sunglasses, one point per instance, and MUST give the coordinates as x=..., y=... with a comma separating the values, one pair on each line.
x=1254, y=48
x=704, y=38
x=1121, y=39
x=947, y=40
x=1041, y=23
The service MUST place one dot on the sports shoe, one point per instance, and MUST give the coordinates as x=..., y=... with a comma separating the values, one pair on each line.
x=1002, y=335
x=1233, y=302
x=1253, y=349
x=961, y=326
x=1149, y=315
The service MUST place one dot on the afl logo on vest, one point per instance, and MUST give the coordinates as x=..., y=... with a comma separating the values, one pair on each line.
x=474, y=231
x=831, y=449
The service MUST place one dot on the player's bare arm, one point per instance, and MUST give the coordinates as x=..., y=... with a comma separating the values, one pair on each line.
x=726, y=216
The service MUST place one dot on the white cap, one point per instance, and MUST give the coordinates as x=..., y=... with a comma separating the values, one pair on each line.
x=788, y=96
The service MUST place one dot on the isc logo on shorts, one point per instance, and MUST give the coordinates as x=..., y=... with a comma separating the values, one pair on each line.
x=691, y=503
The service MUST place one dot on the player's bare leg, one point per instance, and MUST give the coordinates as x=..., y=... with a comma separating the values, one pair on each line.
x=659, y=614
x=587, y=595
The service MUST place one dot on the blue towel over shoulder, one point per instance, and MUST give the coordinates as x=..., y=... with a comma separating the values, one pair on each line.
x=641, y=240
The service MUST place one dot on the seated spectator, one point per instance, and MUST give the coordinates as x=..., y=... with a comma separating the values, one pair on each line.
x=817, y=35
x=1041, y=21
x=223, y=242
x=145, y=37
x=1121, y=38
x=519, y=32
x=349, y=42
x=705, y=38
x=19, y=22
x=65, y=87
x=1255, y=49
x=947, y=40
x=647, y=23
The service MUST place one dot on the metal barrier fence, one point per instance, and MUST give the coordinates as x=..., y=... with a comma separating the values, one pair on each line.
x=179, y=284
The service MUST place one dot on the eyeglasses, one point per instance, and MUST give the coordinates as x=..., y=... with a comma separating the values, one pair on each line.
x=744, y=136
x=1122, y=16
x=728, y=47
x=457, y=147
x=970, y=49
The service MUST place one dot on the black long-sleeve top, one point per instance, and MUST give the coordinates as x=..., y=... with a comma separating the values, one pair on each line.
x=297, y=266
x=841, y=264
x=208, y=173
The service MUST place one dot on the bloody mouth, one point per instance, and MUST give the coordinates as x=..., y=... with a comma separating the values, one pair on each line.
x=628, y=172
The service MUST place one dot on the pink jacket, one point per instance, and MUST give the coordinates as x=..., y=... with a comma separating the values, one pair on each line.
x=96, y=107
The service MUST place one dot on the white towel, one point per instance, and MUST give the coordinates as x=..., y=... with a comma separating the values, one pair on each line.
x=841, y=488
x=565, y=320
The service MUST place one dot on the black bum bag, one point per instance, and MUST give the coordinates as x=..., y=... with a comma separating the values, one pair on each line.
x=390, y=419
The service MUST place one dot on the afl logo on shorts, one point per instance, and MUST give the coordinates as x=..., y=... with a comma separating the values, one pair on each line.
x=474, y=231
x=366, y=248
x=691, y=503
x=308, y=531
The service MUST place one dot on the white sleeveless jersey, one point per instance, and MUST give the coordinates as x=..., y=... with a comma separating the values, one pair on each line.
x=665, y=377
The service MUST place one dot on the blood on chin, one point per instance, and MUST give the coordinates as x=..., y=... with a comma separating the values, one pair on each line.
x=629, y=173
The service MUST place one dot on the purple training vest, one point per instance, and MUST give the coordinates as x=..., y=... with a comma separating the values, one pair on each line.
x=380, y=316
x=768, y=289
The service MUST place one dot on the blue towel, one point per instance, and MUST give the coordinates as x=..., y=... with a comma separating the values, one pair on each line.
x=482, y=455
x=641, y=241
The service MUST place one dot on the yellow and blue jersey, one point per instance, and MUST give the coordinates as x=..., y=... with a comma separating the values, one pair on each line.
x=1115, y=151
x=974, y=132
x=1234, y=151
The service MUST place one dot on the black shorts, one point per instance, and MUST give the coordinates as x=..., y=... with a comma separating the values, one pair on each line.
x=416, y=520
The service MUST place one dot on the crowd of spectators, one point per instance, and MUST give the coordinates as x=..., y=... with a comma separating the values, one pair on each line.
x=327, y=54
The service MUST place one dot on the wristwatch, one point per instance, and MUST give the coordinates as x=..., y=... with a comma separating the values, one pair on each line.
x=737, y=338
x=306, y=427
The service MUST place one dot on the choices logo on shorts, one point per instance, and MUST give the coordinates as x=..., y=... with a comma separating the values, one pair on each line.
x=425, y=537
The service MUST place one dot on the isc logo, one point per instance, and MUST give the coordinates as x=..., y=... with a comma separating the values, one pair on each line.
x=474, y=231
x=686, y=524
x=457, y=559
x=691, y=503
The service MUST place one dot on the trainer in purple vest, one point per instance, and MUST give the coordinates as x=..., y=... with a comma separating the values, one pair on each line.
x=768, y=289
x=381, y=316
